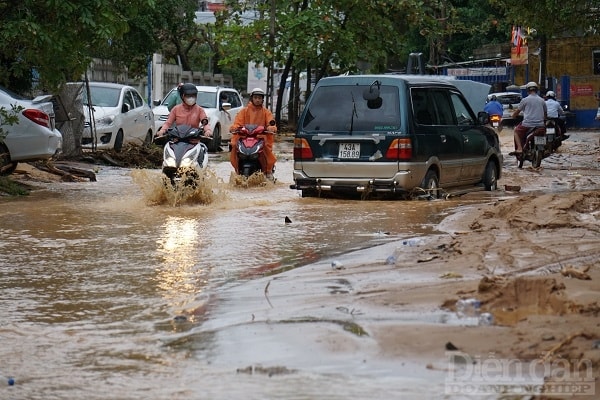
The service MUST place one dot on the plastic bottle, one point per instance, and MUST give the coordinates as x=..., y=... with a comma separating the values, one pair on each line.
x=486, y=319
x=8, y=379
x=467, y=308
x=411, y=242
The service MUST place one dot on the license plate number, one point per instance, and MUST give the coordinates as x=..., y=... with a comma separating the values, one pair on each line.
x=550, y=130
x=349, y=150
x=539, y=139
x=495, y=124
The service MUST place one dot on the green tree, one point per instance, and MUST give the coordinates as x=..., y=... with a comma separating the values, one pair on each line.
x=53, y=41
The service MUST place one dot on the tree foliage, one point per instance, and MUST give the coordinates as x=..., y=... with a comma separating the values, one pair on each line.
x=553, y=17
x=54, y=40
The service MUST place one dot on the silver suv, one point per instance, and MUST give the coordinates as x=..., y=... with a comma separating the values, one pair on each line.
x=403, y=135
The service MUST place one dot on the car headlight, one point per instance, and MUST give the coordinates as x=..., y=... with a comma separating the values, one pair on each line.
x=106, y=120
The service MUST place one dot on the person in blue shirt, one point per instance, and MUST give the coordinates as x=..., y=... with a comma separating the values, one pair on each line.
x=493, y=107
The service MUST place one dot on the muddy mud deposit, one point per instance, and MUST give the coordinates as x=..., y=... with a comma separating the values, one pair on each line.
x=531, y=258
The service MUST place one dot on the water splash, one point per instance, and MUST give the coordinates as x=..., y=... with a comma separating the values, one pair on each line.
x=158, y=190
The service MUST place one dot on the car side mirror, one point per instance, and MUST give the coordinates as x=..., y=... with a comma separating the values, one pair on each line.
x=483, y=117
x=226, y=106
x=156, y=102
x=126, y=108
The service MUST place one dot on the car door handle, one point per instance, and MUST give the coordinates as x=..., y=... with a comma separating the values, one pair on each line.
x=443, y=138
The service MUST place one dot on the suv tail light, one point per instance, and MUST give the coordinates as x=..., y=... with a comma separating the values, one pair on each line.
x=400, y=149
x=37, y=116
x=302, y=149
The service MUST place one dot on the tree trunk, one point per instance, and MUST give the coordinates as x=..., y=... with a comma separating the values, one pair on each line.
x=70, y=118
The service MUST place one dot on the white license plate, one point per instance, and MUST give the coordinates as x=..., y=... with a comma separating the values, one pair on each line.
x=539, y=139
x=349, y=150
x=550, y=130
x=495, y=124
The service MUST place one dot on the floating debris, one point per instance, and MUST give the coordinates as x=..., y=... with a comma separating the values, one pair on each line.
x=335, y=264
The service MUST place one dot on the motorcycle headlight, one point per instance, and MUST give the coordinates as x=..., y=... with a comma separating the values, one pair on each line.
x=190, y=159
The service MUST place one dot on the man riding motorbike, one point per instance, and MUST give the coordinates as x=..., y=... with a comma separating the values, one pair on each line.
x=555, y=112
x=493, y=107
x=534, y=112
x=255, y=114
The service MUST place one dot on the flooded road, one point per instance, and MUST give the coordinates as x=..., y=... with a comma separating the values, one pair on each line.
x=95, y=279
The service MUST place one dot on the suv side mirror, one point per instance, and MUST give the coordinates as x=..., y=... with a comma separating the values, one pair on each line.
x=483, y=117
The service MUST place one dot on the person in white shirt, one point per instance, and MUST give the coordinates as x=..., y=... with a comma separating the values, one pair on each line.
x=555, y=112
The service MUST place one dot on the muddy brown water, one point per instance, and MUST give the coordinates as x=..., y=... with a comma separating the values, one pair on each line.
x=94, y=276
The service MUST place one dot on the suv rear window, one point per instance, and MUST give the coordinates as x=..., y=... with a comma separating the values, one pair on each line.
x=343, y=109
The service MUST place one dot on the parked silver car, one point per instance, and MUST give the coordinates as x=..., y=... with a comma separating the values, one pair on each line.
x=221, y=105
x=115, y=116
x=33, y=137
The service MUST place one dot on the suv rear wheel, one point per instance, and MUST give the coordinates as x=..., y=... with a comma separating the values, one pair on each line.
x=431, y=184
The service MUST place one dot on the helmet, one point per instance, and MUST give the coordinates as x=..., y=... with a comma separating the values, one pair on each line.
x=550, y=93
x=257, y=91
x=493, y=98
x=187, y=89
x=531, y=86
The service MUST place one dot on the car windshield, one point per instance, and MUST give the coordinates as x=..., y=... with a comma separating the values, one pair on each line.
x=343, y=109
x=207, y=99
x=103, y=96
x=509, y=99
x=204, y=99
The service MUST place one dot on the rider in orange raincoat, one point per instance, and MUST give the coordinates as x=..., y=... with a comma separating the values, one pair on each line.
x=256, y=114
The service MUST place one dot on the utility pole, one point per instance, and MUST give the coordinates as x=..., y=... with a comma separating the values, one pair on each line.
x=271, y=71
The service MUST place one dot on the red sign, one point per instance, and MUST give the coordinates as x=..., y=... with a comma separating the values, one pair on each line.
x=582, y=90
x=518, y=55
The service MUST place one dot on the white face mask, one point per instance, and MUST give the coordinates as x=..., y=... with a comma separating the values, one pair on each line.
x=190, y=101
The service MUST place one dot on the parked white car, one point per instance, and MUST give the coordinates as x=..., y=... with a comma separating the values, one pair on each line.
x=220, y=116
x=34, y=137
x=119, y=116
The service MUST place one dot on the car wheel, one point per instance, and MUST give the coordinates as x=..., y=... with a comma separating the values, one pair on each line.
x=7, y=166
x=431, y=184
x=490, y=179
x=216, y=142
x=119, y=141
x=149, y=137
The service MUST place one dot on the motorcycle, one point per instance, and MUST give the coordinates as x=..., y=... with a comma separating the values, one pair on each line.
x=540, y=142
x=250, y=149
x=185, y=154
x=495, y=121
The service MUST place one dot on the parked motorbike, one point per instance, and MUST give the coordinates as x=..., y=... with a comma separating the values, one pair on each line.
x=540, y=142
x=250, y=149
x=185, y=154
